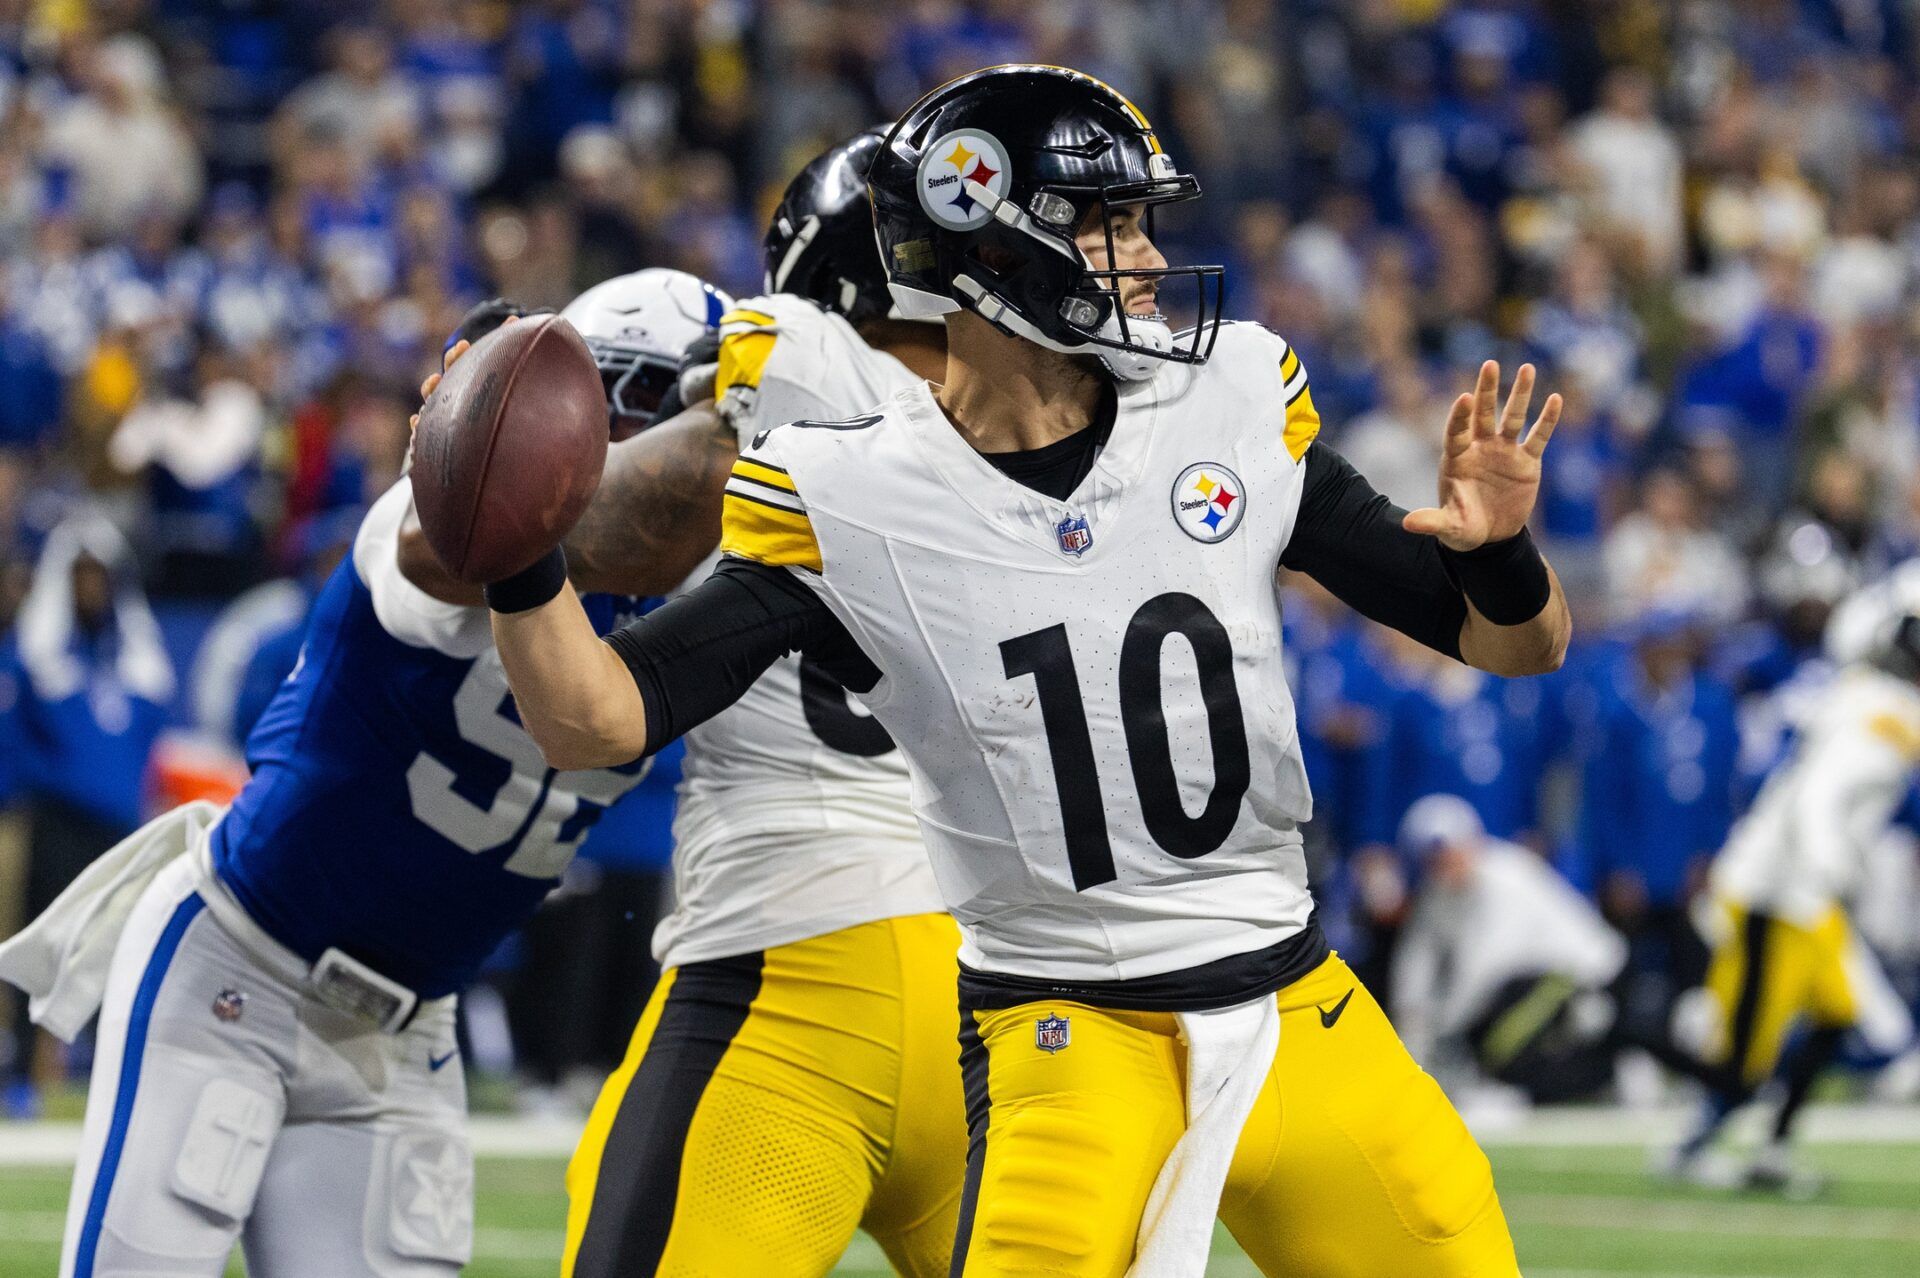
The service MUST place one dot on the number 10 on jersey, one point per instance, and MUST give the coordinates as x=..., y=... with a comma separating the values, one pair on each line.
x=1047, y=656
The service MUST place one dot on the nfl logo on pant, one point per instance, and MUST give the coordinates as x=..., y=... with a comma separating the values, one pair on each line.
x=1051, y=1033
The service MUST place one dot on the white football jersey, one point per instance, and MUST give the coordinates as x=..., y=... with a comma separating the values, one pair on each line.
x=1089, y=692
x=1804, y=845
x=794, y=818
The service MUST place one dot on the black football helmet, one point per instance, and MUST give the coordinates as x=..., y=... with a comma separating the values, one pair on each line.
x=1013, y=159
x=820, y=244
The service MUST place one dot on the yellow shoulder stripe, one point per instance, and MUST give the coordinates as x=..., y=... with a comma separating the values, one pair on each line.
x=762, y=518
x=741, y=315
x=743, y=358
x=768, y=534
x=1290, y=364
x=761, y=473
x=1303, y=423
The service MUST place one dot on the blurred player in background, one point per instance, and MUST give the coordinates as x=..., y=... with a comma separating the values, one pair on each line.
x=1789, y=977
x=276, y=982
x=1502, y=963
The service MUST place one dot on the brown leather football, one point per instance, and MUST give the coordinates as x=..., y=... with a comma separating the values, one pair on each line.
x=509, y=448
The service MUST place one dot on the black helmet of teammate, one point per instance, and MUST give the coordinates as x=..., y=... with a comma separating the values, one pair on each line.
x=1003, y=166
x=820, y=244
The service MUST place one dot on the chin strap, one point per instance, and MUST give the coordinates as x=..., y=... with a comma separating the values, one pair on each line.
x=1122, y=364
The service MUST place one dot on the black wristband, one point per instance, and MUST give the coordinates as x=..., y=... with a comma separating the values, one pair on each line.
x=1505, y=580
x=531, y=586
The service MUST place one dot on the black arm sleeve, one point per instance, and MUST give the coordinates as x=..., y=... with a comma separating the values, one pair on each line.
x=1348, y=538
x=694, y=656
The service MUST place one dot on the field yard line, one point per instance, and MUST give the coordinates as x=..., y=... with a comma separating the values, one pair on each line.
x=1548, y=1160
x=45, y=1144
x=1863, y=1124
x=1536, y=1272
x=1620, y=1212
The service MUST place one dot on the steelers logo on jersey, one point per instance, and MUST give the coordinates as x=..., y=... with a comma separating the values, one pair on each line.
x=1209, y=501
x=951, y=167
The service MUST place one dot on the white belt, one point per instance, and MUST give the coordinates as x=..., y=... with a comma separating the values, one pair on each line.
x=339, y=980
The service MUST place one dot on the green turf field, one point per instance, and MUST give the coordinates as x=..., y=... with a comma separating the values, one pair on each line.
x=1577, y=1212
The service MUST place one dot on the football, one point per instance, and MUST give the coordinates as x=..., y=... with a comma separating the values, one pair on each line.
x=509, y=448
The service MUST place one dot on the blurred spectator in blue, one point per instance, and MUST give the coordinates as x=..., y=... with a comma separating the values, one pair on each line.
x=254, y=642
x=1754, y=387
x=1657, y=795
x=94, y=683
x=1337, y=696
x=564, y=60
x=32, y=396
x=1452, y=729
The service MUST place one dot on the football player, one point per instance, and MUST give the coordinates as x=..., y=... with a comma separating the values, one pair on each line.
x=1051, y=578
x=276, y=1054
x=1785, y=956
x=793, y=1077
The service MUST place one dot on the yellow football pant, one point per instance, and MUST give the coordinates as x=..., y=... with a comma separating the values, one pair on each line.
x=1353, y=1163
x=1768, y=974
x=774, y=1102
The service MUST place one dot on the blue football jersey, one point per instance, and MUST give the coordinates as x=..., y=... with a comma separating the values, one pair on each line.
x=397, y=809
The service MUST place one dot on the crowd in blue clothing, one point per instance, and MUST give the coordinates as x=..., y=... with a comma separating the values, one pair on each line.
x=233, y=236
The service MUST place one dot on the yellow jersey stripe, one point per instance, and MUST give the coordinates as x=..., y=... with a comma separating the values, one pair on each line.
x=1289, y=364
x=762, y=473
x=765, y=533
x=1303, y=423
x=741, y=315
x=743, y=358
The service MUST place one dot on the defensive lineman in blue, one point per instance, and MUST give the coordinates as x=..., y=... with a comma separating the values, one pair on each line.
x=276, y=982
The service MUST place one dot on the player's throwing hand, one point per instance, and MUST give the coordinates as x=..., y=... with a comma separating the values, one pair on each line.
x=1489, y=472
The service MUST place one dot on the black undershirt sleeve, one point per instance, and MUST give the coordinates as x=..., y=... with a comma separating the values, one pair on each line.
x=695, y=655
x=1348, y=538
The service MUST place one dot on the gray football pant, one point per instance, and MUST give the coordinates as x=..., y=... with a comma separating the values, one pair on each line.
x=228, y=1103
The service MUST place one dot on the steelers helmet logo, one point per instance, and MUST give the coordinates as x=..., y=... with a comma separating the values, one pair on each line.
x=1209, y=501
x=950, y=171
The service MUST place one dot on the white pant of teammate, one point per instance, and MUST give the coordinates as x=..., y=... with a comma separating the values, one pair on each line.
x=228, y=1103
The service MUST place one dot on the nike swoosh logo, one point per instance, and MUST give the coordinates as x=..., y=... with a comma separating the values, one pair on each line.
x=435, y=1062
x=1328, y=1018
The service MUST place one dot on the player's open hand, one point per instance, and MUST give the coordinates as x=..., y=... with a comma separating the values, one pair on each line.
x=1489, y=471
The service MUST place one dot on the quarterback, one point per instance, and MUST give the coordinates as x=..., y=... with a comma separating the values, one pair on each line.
x=1051, y=578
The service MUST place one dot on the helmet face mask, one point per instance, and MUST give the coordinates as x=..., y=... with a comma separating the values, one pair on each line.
x=639, y=327
x=979, y=196
x=636, y=380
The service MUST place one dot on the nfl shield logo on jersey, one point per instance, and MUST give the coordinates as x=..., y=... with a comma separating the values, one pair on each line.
x=1051, y=1033
x=1074, y=534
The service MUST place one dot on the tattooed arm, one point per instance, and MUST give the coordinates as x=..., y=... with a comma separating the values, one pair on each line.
x=655, y=516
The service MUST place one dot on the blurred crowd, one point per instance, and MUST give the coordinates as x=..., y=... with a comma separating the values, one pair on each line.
x=233, y=234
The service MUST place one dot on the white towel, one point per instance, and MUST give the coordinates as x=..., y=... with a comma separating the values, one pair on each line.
x=1229, y=1054
x=61, y=959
